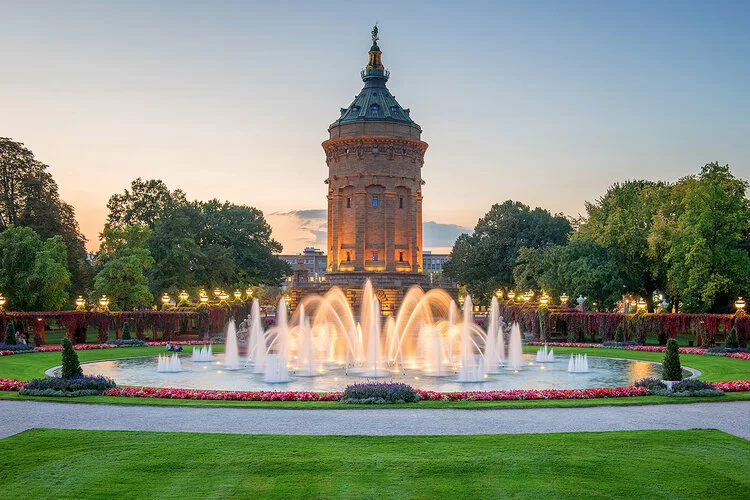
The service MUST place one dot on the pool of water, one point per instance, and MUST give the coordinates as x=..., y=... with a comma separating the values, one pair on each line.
x=604, y=372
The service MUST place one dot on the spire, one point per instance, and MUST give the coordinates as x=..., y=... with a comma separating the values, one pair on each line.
x=375, y=69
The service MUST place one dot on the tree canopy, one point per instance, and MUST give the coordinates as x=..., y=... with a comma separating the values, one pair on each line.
x=33, y=273
x=29, y=197
x=485, y=259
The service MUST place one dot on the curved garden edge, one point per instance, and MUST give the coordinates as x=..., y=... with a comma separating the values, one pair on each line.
x=469, y=399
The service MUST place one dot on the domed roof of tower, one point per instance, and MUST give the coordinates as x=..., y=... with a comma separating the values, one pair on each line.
x=375, y=102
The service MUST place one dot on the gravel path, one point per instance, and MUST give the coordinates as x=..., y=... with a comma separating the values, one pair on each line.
x=730, y=417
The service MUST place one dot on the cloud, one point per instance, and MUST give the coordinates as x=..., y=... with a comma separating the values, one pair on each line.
x=436, y=234
x=297, y=229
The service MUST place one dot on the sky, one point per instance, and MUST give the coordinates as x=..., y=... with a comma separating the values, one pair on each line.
x=547, y=103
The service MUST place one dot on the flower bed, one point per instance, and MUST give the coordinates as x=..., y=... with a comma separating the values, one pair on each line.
x=89, y=347
x=11, y=384
x=167, y=393
x=531, y=394
x=645, y=348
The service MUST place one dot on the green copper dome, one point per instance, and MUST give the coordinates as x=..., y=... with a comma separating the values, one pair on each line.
x=375, y=102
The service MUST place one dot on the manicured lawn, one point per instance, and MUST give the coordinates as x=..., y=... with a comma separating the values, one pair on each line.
x=45, y=463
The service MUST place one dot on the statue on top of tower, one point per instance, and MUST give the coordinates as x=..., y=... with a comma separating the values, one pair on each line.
x=375, y=34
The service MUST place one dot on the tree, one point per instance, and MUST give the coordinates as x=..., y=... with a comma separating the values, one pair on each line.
x=622, y=220
x=671, y=369
x=145, y=204
x=484, y=260
x=10, y=333
x=71, y=367
x=582, y=267
x=707, y=256
x=123, y=261
x=29, y=197
x=33, y=274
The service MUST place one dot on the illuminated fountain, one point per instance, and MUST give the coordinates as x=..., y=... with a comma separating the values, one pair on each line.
x=276, y=369
x=256, y=340
x=515, y=349
x=168, y=364
x=494, y=351
x=231, y=350
x=202, y=354
x=543, y=355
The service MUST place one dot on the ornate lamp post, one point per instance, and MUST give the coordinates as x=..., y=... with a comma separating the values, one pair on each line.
x=249, y=293
x=564, y=299
x=641, y=304
x=80, y=303
x=223, y=296
x=183, y=297
x=740, y=304
x=499, y=294
x=544, y=299
x=166, y=299
x=203, y=299
x=237, y=295
x=2, y=302
x=511, y=295
x=104, y=303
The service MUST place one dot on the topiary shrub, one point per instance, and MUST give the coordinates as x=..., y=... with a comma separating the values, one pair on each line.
x=732, y=342
x=695, y=387
x=379, y=393
x=71, y=367
x=619, y=333
x=10, y=333
x=129, y=343
x=68, y=387
x=125, y=333
x=671, y=369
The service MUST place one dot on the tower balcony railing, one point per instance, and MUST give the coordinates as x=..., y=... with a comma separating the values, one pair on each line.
x=374, y=72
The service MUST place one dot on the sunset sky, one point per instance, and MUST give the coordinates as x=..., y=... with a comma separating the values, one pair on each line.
x=547, y=103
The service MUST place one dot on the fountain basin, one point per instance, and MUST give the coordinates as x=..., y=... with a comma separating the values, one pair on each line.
x=603, y=372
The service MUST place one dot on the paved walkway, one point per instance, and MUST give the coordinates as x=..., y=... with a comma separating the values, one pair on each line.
x=17, y=416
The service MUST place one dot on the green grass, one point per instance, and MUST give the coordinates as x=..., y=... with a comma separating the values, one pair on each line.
x=45, y=463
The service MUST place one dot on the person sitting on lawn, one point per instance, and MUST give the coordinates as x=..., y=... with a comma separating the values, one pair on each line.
x=169, y=346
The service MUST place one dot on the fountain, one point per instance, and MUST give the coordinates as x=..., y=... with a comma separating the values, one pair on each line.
x=429, y=343
x=472, y=367
x=578, y=363
x=545, y=356
x=168, y=364
x=202, y=354
x=494, y=351
x=276, y=369
x=231, y=350
x=515, y=349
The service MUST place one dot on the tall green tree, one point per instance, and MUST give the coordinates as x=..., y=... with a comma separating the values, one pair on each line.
x=29, y=197
x=33, y=273
x=707, y=254
x=124, y=260
x=623, y=220
x=484, y=260
x=145, y=203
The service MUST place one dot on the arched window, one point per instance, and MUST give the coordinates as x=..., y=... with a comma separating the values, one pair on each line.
x=348, y=203
x=348, y=257
x=375, y=201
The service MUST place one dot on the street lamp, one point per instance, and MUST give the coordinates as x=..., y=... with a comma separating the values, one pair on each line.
x=183, y=296
x=511, y=295
x=544, y=299
x=564, y=299
x=223, y=296
x=103, y=303
x=2, y=301
x=203, y=298
x=526, y=297
x=740, y=304
x=80, y=303
x=166, y=299
x=641, y=303
x=499, y=294
x=217, y=292
x=249, y=293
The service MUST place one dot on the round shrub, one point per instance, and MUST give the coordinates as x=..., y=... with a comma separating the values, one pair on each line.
x=654, y=385
x=379, y=393
x=671, y=369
